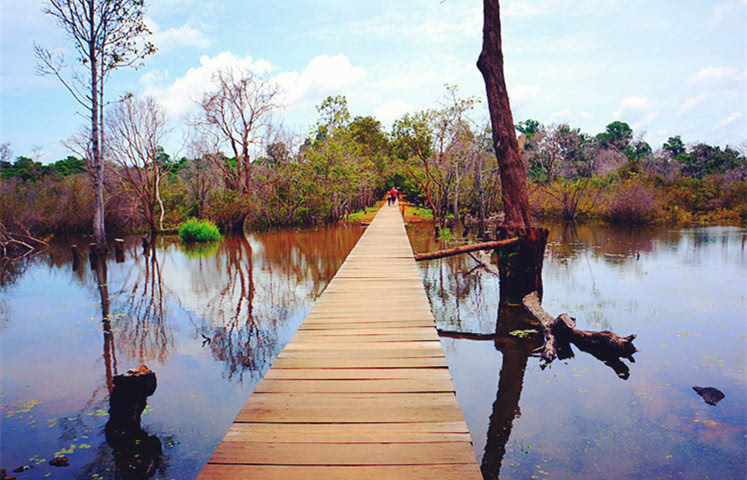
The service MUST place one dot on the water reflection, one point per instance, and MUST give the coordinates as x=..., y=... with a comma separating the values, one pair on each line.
x=110, y=354
x=681, y=291
x=515, y=353
x=247, y=295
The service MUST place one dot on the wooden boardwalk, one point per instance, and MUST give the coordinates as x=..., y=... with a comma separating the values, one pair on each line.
x=362, y=390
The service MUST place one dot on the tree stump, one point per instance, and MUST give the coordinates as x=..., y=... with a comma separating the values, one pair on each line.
x=520, y=263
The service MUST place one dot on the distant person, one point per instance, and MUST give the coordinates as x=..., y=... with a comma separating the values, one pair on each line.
x=392, y=196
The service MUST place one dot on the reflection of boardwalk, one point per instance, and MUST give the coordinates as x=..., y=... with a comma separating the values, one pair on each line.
x=362, y=390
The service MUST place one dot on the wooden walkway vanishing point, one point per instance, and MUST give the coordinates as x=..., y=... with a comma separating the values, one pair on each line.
x=362, y=390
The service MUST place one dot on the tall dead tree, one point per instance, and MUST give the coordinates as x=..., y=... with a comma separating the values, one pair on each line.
x=238, y=113
x=137, y=127
x=520, y=265
x=106, y=35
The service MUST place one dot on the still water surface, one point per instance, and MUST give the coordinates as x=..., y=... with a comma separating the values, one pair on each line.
x=247, y=295
x=683, y=292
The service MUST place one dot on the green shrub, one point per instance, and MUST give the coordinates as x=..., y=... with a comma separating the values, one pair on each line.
x=194, y=230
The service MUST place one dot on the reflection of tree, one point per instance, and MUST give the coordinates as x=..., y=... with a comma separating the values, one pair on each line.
x=237, y=339
x=262, y=281
x=516, y=353
x=128, y=450
x=141, y=327
x=110, y=355
x=455, y=296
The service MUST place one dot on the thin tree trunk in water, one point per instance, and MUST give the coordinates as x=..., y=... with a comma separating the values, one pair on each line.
x=482, y=201
x=512, y=170
x=456, y=199
x=99, y=232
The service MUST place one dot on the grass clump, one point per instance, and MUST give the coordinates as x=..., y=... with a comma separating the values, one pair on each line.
x=194, y=230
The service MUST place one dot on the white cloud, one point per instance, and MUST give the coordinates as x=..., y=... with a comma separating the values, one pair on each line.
x=727, y=9
x=535, y=8
x=523, y=93
x=448, y=24
x=324, y=75
x=567, y=114
x=715, y=74
x=728, y=121
x=176, y=37
x=178, y=97
x=690, y=103
x=637, y=111
x=391, y=111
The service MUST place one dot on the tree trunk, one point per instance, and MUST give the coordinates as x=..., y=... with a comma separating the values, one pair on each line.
x=520, y=264
x=97, y=164
x=481, y=191
x=512, y=169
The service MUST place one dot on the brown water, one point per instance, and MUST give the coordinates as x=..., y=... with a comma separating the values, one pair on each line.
x=247, y=295
x=683, y=292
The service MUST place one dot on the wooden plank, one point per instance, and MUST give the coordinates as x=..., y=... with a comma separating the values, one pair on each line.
x=346, y=362
x=403, y=472
x=330, y=338
x=432, y=453
x=402, y=352
x=358, y=374
x=354, y=345
x=344, y=327
x=350, y=408
x=392, y=385
x=349, y=433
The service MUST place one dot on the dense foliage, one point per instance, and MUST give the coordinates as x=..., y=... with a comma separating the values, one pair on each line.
x=195, y=230
x=440, y=160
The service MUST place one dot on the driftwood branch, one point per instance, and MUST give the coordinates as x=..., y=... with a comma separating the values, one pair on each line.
x=467, y=335
x=560, y=332
x=464, y=249
x=19, y=244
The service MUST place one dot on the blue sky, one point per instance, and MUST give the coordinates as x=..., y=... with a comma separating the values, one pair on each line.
x=667, y=67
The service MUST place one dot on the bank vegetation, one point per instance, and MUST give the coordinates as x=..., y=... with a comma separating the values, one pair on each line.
x=242, y=170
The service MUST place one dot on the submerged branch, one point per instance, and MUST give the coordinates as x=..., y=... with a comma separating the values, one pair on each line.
x=560, y=332
x=17, y=244
x=464, y=249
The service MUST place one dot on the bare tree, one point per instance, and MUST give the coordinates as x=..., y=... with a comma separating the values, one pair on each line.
x=106, y=34
x=238, y=113
x=136, y=129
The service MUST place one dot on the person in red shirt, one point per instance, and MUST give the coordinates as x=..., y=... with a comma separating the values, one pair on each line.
x=392, y=196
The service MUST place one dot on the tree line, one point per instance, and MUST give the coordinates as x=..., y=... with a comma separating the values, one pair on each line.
x=440, y=158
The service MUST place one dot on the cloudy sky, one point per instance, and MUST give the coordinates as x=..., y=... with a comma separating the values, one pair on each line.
x=667, y=67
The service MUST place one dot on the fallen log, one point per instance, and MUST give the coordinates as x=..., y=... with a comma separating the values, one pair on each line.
x=464, y=249
x=560, y=332
x=16, y=244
